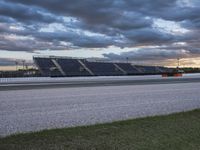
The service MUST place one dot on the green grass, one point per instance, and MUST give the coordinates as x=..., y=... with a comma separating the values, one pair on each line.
x=179, y=131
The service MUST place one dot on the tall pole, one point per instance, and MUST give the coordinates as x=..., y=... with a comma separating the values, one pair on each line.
x=16, y=63
x=127, y=59
x=178, y=62
x=23, y=62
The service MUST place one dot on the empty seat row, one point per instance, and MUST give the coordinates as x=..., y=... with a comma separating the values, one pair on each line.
x=103, y=68
x=148, y=69
x=128, y=68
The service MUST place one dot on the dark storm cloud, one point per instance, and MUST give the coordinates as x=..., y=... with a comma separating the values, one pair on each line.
x=95, y=11
x=100, y=24
x=24, y=13
x=148, y=36
x=147, y=54
x=6, y=19
x=88, y=9
x=35, y=40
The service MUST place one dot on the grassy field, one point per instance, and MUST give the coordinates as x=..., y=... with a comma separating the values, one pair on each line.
x=179, y=131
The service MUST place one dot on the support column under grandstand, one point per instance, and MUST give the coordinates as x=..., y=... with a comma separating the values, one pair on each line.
x=58, y=66
x=86, y=68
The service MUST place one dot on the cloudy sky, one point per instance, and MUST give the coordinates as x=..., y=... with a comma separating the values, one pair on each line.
x=153, y=32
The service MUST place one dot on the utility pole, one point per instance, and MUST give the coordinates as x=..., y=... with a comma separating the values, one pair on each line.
x=178, y=63
x=26, y=66
x=16, y=64
x=23, y=63
x=127, y=59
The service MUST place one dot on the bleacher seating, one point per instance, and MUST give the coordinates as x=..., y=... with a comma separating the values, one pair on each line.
x=128, y=68
x=103, y=68
x=59, y=66
x=47, y=67
x=72, y=67
x=165, y=70
x=148, y=69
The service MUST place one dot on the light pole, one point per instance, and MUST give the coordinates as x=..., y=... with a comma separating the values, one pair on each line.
x=23, y=62
x=16, y=64
x=178, y=63
x=127, y=59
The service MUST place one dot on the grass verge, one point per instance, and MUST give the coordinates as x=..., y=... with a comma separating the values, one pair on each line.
x=179, y=131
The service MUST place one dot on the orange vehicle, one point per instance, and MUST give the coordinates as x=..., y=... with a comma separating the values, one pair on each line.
x=175, y=73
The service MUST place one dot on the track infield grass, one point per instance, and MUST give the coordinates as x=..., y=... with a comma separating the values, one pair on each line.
x=180, y=131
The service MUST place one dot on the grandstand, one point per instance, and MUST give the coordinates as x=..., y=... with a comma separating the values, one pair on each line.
x=71, y=67
x=46, y=66
x=103, y=68
x=65, y=66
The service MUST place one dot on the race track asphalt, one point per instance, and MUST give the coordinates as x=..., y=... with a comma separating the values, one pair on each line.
x=35, y=109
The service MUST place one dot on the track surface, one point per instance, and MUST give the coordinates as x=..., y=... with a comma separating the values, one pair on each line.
x=36, y=109
x=41, y=83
